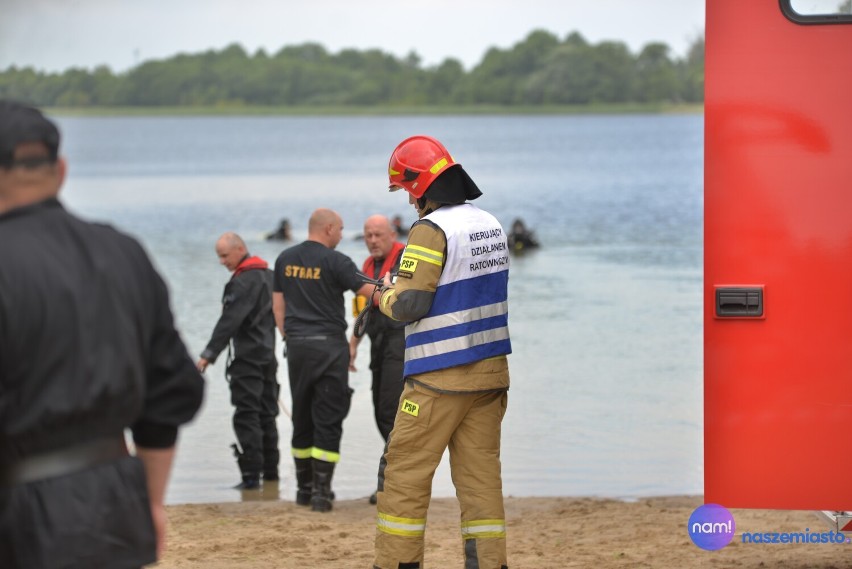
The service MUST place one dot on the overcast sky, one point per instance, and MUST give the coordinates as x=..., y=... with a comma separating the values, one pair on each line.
x=54, y=35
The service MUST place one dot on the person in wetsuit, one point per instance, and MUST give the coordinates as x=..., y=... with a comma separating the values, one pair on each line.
x=248, y=322
x=387, y=336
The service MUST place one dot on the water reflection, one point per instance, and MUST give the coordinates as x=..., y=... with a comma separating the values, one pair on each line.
x=269, y=491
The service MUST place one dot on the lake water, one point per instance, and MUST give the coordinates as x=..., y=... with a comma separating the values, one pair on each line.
x=605, y=319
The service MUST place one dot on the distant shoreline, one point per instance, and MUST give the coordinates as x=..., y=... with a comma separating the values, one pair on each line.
x=304, y=110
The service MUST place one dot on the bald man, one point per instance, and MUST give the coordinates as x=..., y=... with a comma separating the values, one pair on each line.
x=247, y=319
x=387, y=336
x=310, y=279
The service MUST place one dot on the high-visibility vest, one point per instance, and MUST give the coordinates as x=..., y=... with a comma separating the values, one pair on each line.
x=468, y=319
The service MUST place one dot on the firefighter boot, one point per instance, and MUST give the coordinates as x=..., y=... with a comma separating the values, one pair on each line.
x=304, y=480
x=322, y=496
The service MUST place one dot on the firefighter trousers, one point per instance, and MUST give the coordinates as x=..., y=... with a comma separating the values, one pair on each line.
x=319, y=385
x=427, y=423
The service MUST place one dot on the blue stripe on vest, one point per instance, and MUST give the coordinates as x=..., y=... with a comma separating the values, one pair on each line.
x=461, y=357
x=470, y=293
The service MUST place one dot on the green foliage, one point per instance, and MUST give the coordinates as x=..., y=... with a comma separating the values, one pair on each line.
x=691, y=72
x=539, y=71
x=656, y=75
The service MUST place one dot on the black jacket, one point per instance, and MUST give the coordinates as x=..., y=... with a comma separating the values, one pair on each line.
x=246, y=318
x=88, y=348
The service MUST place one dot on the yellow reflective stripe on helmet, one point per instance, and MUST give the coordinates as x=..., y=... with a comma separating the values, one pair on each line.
x=476, y=529
x=424, y=254
x=301, y=452
x=438, y=165
x=392, y=172
x=410, y=527
x=325, y=455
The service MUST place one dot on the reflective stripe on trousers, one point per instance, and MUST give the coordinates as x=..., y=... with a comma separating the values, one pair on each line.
x=409, y=527
x=475, y=529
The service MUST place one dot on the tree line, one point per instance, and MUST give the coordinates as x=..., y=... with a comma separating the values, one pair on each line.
x=542, y=69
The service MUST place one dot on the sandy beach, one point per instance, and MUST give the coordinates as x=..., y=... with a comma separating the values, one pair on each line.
x=543, y=533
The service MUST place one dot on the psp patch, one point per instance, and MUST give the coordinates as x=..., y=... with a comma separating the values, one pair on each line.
x=407, y=266
x=410, y=407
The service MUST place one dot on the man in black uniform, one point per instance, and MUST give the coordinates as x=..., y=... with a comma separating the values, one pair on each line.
x=247, y=319
x=387, y=336
x=310, y=279
x=88, y=348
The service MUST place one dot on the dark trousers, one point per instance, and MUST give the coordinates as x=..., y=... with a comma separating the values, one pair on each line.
x=254, y=395
x=319, y=383
x=387, y=353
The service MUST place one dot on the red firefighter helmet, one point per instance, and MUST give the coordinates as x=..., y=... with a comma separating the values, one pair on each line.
x=416, y=162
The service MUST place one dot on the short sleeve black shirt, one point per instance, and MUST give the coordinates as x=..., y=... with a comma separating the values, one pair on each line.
x=312, y=279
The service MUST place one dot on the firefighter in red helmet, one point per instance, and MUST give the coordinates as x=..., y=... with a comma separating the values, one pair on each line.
x=451, y=290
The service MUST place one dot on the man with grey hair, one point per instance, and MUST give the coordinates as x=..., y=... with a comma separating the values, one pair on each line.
x=248, y=323
x=387, y=336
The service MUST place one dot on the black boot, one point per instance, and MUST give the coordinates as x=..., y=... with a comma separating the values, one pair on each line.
x=322, y=496
x=251, y=481
x=250, y=472
x=304, y=480
x=271, y=457
x=270, y=475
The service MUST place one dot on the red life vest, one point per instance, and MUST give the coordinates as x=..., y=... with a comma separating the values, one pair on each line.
x=369, y=267
x=248, y=264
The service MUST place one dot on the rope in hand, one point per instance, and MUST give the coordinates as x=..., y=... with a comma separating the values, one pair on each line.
x=363, y=317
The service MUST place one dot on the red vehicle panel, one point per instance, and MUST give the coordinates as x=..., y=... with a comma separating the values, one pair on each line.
x=778, y=259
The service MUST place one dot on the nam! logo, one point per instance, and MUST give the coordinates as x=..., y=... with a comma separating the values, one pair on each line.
x=711, y=527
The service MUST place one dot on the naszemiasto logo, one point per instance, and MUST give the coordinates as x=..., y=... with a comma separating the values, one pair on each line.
x=711, y=527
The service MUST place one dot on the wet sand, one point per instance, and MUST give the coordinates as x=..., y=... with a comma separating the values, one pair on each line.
x=543, y=533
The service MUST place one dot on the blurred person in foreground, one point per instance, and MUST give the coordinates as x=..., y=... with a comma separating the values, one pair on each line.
x=307, y=299
x=88, y=348
x=387, y=336
x=452, y=290
x=247, y=320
